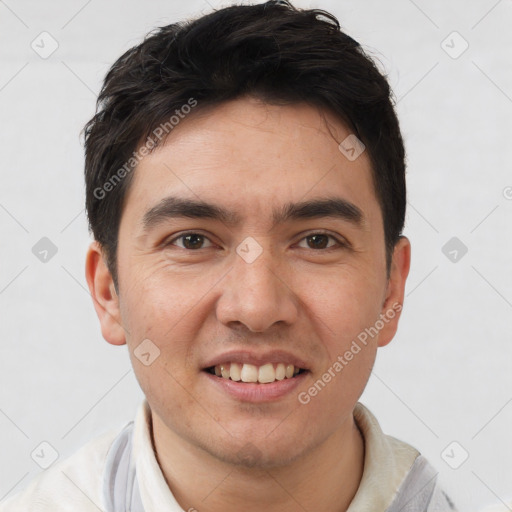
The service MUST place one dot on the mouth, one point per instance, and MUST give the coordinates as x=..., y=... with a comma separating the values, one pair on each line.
x=254, y=374
x=249, y=383
x=256, y=377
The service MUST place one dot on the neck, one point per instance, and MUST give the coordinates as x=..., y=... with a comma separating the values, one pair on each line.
x=324, y=479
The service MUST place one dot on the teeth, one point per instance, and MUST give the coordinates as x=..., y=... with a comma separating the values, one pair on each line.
x=224, y=371
x=266, y=373
x=250, y=373
x=235, y=371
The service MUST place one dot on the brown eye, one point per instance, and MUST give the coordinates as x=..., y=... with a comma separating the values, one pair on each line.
x=320, y=241
x=191, y=241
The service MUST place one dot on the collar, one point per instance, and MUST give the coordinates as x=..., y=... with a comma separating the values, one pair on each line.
x=386, y=463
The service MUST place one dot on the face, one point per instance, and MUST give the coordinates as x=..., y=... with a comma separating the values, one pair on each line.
x=291, y=272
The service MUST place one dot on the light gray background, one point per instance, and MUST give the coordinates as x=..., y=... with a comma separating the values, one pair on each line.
x=447, y=374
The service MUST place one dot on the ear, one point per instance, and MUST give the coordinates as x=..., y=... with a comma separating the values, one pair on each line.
x=393, y=302
x=104, y=295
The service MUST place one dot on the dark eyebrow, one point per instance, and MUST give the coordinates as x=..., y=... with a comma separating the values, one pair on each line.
x=176, y=207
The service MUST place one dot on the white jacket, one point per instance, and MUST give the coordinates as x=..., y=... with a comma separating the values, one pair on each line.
x=118, y=472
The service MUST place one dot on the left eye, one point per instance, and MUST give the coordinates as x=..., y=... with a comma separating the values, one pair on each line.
x=319, y=240
x=194, y=241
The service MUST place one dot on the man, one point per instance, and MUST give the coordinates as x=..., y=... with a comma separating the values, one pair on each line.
x=245, y=184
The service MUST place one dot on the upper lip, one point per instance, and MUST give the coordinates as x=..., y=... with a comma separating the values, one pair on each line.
x=256, y=358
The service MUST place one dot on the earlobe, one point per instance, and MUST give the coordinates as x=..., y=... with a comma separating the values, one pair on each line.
x=104, y=296
x=393, y=302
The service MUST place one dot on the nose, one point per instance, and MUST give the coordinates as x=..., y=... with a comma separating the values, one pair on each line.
x=258, y=294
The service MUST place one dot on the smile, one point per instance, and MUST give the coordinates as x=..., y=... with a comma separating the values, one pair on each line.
x=250, y=373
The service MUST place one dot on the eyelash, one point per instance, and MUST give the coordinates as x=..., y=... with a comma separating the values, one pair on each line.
x=340, y=243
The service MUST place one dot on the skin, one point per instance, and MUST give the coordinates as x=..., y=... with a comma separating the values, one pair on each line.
x=250, y=157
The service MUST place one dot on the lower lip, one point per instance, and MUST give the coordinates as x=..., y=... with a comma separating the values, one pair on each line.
x=254, y=392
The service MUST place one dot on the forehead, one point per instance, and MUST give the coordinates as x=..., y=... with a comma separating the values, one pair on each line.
x=252, y=157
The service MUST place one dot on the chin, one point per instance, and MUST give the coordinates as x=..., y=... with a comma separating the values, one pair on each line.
x=248, y=452
x=252, y=457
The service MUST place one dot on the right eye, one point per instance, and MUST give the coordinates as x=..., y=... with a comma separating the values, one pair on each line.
x=191, y=240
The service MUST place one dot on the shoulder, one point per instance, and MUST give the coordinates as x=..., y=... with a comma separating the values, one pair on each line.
x=72, y=484
x=421, y=491
x=396, y=476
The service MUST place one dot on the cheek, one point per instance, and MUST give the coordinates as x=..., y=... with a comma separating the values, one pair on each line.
x=340, y=381
x=164, y=310
x=154, y=302
x=345, y=312
x=347, y=302
x=163, y=388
